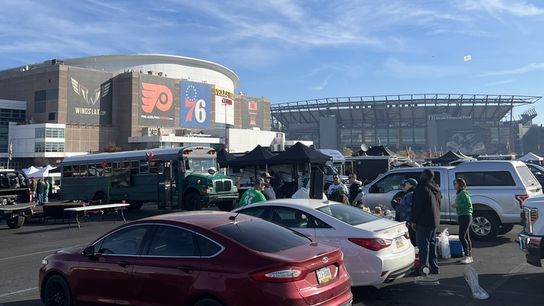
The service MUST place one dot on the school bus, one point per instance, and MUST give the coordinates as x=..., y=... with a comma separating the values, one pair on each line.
x=184, y=177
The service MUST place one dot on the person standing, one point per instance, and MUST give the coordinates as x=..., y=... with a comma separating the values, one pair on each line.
x=46, y=188
x=33, y=185
x=39, y=191
x=395, y=201
x=337, y=190
x=463, y=205
x=425, y=218
x=254, y=194
x=268, y=192
x=405, y=207
x=354, y=188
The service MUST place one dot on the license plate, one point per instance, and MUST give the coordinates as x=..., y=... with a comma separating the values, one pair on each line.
x=323, y=275
x=399, y=243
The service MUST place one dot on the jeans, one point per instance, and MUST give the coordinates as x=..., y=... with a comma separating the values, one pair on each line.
x=40, y=198
x=46, y=197
x=426, y=243
x=464, y=234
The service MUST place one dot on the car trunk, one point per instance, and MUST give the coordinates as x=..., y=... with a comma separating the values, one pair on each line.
x=391, y=230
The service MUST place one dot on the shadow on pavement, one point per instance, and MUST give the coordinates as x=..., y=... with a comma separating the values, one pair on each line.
x=491, y=244
x=35, y=302
x=517, y=289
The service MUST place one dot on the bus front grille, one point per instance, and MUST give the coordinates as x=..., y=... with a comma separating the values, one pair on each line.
x=225, y=185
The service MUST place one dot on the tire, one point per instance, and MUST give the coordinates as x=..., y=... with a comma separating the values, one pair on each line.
x=192, y=201
x=505, y=228
x=100, y=198
x=226, y=205
x=56, y=292
x=208, y=302
x=485, y=225
x=136, y=205
x=16, y=221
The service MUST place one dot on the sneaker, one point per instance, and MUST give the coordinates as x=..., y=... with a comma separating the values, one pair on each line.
x=467, y=260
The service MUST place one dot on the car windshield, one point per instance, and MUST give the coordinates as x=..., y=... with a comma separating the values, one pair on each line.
x=329, y=170
x=262, y=236
x=200, y=164
x=348, y=214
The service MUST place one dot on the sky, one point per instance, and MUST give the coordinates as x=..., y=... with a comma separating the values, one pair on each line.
x=288, y=50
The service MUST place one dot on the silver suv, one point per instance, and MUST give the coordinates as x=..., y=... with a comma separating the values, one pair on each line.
x=498, y=189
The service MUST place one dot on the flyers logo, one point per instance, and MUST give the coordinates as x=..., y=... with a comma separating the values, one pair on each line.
x=156, y=96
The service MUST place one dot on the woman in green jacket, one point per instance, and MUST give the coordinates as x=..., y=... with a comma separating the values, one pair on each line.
x=463, y=205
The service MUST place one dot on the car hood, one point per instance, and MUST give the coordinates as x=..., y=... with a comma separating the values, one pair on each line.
x=71, y=250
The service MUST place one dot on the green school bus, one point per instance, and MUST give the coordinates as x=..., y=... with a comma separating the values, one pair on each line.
x=174, y=178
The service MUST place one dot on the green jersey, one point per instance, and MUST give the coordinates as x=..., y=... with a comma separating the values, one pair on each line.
x=251, y=196
x=464, y=203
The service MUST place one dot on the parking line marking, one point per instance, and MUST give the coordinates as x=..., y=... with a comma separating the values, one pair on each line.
x=17, y=292
x=36, y=253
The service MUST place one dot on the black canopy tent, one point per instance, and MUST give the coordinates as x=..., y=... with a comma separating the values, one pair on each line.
x=378, y=151
x=299, y=154
x=224, y=157
x=256, y=157
x=450, y=157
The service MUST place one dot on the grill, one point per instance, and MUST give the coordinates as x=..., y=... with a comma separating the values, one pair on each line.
x=225, y=185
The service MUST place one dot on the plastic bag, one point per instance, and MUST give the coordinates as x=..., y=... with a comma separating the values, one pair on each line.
x=471, y=276
x=445, y=244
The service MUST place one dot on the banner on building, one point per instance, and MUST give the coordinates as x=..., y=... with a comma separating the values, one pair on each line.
x=89, y=97
x=224, y=106
x=195, y=104
x=157, y=104
x=252, y=114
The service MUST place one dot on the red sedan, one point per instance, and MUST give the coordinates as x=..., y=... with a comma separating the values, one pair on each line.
x=197, y=258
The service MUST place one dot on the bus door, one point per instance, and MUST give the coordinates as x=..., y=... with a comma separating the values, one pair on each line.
x=166, y=181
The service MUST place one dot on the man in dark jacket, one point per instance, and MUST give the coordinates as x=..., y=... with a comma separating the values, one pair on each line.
x=395, y=201
x=425, y=218
x=354, y=188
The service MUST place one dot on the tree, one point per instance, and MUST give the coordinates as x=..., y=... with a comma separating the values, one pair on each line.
x=111, y=148
x=347, y=151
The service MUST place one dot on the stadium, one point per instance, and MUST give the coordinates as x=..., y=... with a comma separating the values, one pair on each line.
x=423, y=123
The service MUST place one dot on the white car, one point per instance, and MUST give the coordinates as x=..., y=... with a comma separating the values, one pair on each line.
x=376, y=250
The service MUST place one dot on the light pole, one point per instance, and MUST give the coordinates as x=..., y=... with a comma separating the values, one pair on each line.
x=226, y=102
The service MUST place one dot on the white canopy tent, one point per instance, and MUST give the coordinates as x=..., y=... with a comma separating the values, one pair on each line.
x=38, y=172
x=30, y=171
x=531, y=157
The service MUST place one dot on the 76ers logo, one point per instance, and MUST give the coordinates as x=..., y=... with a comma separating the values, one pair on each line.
x=156, y=96
x=196, y=108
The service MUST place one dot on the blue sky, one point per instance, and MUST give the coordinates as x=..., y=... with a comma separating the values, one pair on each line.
x=290, y=50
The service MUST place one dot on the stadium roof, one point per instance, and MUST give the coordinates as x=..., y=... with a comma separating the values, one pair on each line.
x=407, y=107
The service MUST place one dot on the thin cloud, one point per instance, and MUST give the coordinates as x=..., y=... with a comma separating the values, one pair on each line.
x=496, y=7
x=521, y=70
x=497, y=83
x=322, y=85
x=399, y=69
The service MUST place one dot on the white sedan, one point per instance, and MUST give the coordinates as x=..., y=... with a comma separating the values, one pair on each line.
x=376, y=250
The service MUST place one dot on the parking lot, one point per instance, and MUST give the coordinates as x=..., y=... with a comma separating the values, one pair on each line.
x=501, y=266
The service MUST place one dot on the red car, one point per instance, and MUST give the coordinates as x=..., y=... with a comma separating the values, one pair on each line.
x=197, y=258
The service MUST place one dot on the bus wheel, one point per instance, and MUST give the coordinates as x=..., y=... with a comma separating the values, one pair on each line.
x=226, y=205
x=16, y=221
x=192, y=201
x=100, y=198
x=136, y=205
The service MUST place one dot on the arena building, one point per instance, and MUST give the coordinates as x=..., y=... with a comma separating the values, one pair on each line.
x=472, y=124
x=75, y=106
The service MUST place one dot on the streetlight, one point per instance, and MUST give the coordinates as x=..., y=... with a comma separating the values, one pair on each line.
x=226, y=102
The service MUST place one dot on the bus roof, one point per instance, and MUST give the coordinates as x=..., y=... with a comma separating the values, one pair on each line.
x=159, y=154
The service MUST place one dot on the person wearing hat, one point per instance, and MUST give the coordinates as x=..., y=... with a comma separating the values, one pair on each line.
x=254, y=194
x=268, y=192
x=405, y=206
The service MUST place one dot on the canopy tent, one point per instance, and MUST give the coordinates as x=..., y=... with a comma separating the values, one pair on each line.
x=30, y=171
x=38, y=172
x=256, y=157
x=224, y=157
x=464, y=155
x=531, y=157
x=450, y=157
x=299, y=154
x=378, y=151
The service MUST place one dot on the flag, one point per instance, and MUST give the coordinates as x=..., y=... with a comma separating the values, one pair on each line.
x=10, y=150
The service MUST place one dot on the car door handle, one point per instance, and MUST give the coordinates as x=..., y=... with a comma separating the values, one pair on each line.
x=123, y=263
x=185, y=268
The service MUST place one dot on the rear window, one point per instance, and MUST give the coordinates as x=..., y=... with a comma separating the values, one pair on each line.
x=262, y=236
x=347, y=214
x=487, y=178
x=526, y=176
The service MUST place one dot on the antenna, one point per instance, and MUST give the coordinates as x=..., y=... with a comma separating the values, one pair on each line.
x=233, y=218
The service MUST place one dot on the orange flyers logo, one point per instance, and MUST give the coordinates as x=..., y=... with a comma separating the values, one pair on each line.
x=156, y=96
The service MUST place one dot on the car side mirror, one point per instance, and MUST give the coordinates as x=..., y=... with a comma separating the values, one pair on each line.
x=89, y=251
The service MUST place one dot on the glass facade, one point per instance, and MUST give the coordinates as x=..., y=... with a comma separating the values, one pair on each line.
x=42, y=133
x=7, y=116
x=41, y=146
x=49, y=132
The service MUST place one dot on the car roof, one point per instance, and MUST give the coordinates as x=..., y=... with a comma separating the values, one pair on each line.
x=206, y=219
x=308, y=203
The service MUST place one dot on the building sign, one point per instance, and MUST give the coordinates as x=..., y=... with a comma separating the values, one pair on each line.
x=157, y=104
x=195, y=104
x=224, y=106
x=252, y=114
x=89, y=97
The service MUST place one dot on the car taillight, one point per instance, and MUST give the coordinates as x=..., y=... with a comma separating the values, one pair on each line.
x=374, y=244
x=520, y=198
x=280, y=275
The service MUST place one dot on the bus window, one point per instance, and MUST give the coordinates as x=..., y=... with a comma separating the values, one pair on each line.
x=153, y=167
x=83, y=170
x=144, y=167
x=200, y=164
x=67, y=171
x=106, y=169
x=91, y=170
x=135, y=167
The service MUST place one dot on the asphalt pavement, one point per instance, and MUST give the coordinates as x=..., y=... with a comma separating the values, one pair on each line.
x=502, y=270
